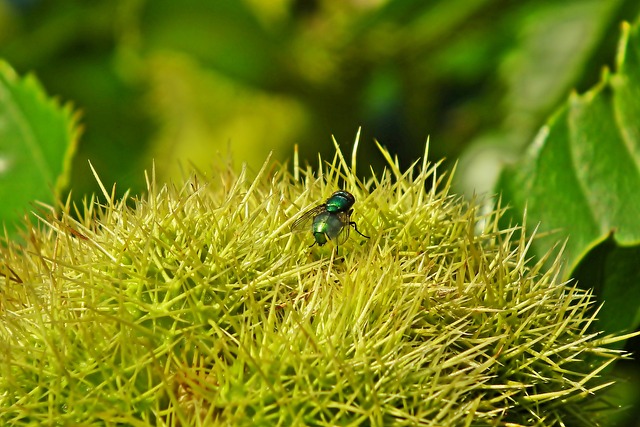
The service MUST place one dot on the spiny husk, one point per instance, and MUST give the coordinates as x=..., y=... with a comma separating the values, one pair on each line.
x=194, y=305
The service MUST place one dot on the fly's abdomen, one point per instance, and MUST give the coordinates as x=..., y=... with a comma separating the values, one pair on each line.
x=321, y=238
x=327, y=226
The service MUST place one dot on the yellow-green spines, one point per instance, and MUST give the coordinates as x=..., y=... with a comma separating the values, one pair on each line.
x=195, y=305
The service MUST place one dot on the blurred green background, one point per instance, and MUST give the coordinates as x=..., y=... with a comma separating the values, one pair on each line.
x=182, y=82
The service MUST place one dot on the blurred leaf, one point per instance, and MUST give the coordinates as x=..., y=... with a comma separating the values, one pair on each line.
x=225, y=35
x=614, y=271
x=43, y=32
x=37, y=142
x=556, y=40
x=581, y=177
x=558, y=46
x=214, y=113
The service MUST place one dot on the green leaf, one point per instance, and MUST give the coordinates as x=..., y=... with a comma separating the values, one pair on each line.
x=37, y=142
x=581, y=179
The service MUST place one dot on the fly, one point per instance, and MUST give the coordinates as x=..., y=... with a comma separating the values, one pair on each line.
x=330, y=220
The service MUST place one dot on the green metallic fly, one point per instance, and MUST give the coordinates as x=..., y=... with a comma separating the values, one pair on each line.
x=330, y=220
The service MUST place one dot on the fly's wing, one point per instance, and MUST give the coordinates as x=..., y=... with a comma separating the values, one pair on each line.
x=304, y=222
x=345, y=218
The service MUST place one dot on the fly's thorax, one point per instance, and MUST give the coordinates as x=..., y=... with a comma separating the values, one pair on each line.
x=340, y=201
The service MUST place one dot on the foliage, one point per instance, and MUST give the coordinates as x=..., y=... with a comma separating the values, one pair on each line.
x=175, y=81
x=37, y=142
x=196, y=305
x=580, y=178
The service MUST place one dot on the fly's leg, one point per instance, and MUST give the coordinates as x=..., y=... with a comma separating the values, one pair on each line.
x=355, y=227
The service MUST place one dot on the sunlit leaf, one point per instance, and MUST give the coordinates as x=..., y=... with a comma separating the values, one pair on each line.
x=37, y=141
x=581, y=178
